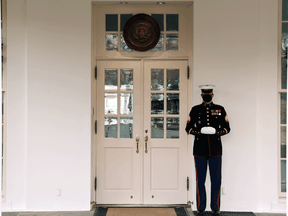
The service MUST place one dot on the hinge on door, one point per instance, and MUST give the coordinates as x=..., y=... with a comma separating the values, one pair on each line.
x=95, y=183
x=188, y=72
x=96, y=127
x=96, y=72
x=187, y=183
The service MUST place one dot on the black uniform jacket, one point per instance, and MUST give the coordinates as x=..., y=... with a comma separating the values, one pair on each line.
x=204, y=115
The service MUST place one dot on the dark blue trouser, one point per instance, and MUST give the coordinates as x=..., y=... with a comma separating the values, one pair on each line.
x=215, y=177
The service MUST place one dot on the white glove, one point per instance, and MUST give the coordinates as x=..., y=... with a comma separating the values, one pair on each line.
x=208, y=130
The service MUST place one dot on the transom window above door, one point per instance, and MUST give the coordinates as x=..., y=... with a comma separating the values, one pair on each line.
x=169, y=27
x=175, y=25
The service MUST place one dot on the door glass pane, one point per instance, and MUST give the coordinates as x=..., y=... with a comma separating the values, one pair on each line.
x=126, y=127
x=173, y=79
x=2, y=141
x=123, y=20
x=126, y=79
x=157, y=127
x=157, y=79
x=173, y=103
x=2, y=126
x=284, y=72
x=283, y=141
x=111, y=42
x=2, y=112
x=284, y=10
x=111, y=79
x=160, y=20
x=2, y=177
x=284, y=43
x=172, y=128
x=172, y=42
x=110, y=103
x=160, y=45
x=126, y=103
x=111, y=22
x=283, y=107
x=172, y=22
x=124, y=46
x=111, y=127
x=157, y=103
x=2, y=68
x=283, y=175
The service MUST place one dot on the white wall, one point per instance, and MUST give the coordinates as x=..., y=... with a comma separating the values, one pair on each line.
x=49, y=84
x=267, y=151
x=16, y=105
x=49, y=100
x=235, y=48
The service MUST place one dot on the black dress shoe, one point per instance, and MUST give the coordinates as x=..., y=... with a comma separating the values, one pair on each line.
x=216, y=212
x=200, y=213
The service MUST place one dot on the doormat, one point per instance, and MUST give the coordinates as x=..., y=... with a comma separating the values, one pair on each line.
x=141, y=212
x=227, y=213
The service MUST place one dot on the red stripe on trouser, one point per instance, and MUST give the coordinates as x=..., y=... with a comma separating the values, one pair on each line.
x=218, y=200
x=197, y=185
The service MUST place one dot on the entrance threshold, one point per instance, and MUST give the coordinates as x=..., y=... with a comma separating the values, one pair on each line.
x=142, y=206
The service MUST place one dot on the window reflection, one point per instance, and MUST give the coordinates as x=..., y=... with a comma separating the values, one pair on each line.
x=172, y=42
x=284, y=72
x=111, y=127
x=172, y=128
x=283, y=142
x=111, y=79
x=283, y=175
x=124, y=46
x=157, y=103
x=126, y=127
x=173, y=79
x=157, y=79
x=157, y=127
x=111, y=42
x=126, y=103
x=173, y=103
x=283, y=107
x=110, y=103
x=126, y=79
x=160, y=45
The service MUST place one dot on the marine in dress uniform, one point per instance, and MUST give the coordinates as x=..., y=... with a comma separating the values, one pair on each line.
x=208, y=122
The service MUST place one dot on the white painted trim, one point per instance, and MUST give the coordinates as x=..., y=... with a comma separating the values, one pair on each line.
x=190, y=161
x=135, y=2
x=142, y=130
x=280, y=194
x=93, y=108
x=4, y=11
x=190, y=168
x=4, y=89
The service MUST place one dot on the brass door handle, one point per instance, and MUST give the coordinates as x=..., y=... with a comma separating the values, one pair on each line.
x=137, y=140
x=146, y=139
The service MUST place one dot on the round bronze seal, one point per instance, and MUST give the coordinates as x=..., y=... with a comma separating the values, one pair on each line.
x=141, y=32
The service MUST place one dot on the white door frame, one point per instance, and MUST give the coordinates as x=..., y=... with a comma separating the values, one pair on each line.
x=190, y=161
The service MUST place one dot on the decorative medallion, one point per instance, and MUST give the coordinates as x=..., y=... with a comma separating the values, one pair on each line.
x=141, y=32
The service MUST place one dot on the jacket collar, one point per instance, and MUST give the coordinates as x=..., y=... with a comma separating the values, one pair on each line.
x=207, y=104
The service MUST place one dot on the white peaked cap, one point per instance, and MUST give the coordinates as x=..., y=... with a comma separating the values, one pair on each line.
x=207, y=86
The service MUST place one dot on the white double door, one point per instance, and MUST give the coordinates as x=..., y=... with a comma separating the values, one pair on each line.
x=141, y=138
